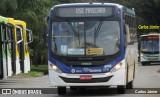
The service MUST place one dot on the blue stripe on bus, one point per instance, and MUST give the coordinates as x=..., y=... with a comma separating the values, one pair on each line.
x=80, y=70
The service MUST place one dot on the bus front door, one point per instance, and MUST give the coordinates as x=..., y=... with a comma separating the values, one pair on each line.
x=3, y=48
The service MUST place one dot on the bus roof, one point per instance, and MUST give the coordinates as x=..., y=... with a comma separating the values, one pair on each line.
x=3, y=19
x=11, y=21
x=20, y=22
x=87, y=4
x=125, y=9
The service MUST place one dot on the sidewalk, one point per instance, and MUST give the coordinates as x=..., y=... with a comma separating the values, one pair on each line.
x=29, y=82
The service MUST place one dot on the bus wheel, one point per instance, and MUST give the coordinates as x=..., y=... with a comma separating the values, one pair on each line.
x=143, y=63
x=73, y=88
x=61, y=90
x=121, y=89
x=129, y=85
x=81, y=88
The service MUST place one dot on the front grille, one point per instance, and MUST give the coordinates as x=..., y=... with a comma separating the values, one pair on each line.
x=78, y=64
x=93, y=80
x=76, y=61
x=152, y=58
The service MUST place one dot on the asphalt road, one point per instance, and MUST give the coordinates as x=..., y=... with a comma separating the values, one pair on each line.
x=147, y=77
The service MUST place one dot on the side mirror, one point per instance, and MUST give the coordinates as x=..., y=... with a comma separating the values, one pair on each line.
x=29, y=36
x=127, y=34
x=45, y=31
x=19, y=34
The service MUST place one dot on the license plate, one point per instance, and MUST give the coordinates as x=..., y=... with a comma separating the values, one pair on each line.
x=85, y=77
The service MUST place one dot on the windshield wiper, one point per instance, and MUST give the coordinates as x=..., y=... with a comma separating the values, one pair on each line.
x=117, y=44
x=75, y=32
x=97, y=30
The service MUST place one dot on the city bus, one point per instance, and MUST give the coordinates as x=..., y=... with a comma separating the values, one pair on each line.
x=92, y=44
x=149, y=48
x=23, y=46
x=5, y=56
x=16, y=37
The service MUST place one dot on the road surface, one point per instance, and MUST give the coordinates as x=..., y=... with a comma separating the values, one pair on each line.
x=147, y=77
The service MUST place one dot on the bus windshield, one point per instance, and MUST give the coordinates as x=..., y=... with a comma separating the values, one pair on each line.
x=96, y=38
x=150, y=45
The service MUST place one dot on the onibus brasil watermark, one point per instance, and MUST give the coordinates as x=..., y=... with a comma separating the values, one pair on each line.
x=21, y=91
x=35, y=91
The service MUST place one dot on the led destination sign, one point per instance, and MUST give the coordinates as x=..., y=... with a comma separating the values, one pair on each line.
x=85, y=11
x=150, y=37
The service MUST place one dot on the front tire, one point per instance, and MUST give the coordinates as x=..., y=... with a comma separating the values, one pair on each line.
x=121, y=89
x=143, y=63
x=129, y=85
x=73, y=88
x=61, y=90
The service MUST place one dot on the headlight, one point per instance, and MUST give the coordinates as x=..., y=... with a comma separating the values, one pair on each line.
x=141, y=55
x=55, y=68
x=117, y=67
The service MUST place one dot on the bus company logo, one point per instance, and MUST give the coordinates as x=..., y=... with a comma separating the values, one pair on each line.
x=85, y=69
x=6, y=91
x=73, y=70
x=107, y=67
x=91, y=70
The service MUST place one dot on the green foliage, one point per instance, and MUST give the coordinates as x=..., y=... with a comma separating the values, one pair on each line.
x=30, y=74
x=34, y=13
x=35, y=71
x=157, y=2
x=147, y=11
x=67, y=1
x=40, y=68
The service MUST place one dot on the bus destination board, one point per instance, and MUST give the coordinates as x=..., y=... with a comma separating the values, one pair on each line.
x=84, y=11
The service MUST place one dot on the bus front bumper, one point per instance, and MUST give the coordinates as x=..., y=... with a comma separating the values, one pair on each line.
x=99, y=79
x=147, y=58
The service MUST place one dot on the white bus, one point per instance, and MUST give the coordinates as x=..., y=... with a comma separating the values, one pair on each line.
x=149, y=48
x=92, y=44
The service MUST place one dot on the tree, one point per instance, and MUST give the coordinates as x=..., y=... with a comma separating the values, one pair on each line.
x=33, y=12
x=157, y=2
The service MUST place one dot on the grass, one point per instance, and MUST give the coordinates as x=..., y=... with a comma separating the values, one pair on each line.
x=35, y=71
